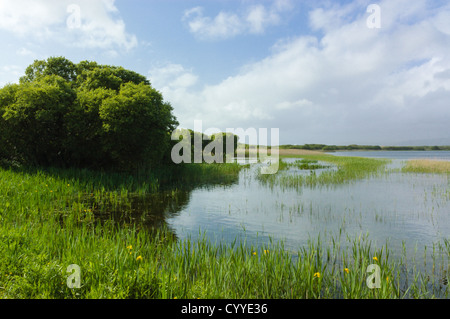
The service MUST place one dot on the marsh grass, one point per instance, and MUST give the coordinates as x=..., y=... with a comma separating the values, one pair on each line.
x=347, y=169
x=49, y=220
x=305, y=164
x=427, y=166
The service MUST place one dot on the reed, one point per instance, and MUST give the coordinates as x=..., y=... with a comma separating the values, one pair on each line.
x=347, y=169
x=427, y=166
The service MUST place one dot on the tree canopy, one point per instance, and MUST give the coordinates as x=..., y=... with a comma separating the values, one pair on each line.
x=84, y=115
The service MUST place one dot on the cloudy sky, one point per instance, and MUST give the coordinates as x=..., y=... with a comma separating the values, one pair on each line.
x=331, y=72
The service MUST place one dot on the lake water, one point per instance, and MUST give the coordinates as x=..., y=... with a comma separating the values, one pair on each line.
x=400, y=155
x=407, y=211
x=399, y=207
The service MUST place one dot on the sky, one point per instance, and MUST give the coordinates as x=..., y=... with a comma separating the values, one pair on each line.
x=328, y=72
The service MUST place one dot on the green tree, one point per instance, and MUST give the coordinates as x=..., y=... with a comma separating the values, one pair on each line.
x=34, y=119
x=84, y=129
x=53, y=66
x=7, y=97
x=128, y=117
x=84, y=114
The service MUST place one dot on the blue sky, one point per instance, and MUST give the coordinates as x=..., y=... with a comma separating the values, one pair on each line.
x=320, y=71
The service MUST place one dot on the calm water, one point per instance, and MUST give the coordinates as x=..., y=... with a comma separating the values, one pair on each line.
x=403, y=210
x=400, y=155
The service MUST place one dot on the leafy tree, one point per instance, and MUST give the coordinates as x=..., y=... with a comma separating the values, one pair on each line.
x=53, y=66
x=34, y=120
x=7, y=97
x=127, y=119
x=210, y=148
x=84, y=114
x=84, y=129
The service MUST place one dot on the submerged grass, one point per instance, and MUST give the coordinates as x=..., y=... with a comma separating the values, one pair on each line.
x=347, y=169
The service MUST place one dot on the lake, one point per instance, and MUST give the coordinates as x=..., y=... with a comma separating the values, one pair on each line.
x=404, y=210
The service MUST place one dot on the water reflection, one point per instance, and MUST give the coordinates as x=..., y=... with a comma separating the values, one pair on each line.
x=152, y=211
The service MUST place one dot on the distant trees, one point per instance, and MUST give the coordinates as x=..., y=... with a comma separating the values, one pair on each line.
x=352, y=147
x=196, y=147
x=84, y=115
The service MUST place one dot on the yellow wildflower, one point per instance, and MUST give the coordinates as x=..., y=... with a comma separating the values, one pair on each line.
x=317, y=274
x=139, y=257
x=375, y=258
x=346, y=270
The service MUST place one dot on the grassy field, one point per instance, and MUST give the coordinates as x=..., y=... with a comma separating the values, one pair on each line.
x=50, y=219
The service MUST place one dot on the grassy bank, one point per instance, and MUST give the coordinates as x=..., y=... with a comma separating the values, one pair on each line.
x=51, y=218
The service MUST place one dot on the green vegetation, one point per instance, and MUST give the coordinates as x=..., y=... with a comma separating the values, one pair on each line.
x=85, y=179
x=306, y=164
x=49, y=221
x=354, y=147
x=52, y=218
x=83, y=115
x=198, y=147
x=427, y=166
x=347, y=169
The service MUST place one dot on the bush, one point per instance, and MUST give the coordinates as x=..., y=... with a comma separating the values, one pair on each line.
x=83, y=115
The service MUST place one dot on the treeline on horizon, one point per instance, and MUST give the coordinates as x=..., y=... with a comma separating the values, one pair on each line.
x=353, y=147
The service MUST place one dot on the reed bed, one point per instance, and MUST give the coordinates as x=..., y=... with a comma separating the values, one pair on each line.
x=427, y=166
x=347, y=169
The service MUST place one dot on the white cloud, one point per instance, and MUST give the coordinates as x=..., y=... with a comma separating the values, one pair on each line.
x=353, y=82
x=10, y=74
x=176, y=83
x=224, y=25
x=24, y=52
x=285, y=105
x=83, y=23
x=28, y=16
x=172, y=76
x=259, y=17
x=442, y=22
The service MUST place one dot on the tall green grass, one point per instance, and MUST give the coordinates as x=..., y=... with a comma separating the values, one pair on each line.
x=49, y=219
x=123, y=263
x=347, y=169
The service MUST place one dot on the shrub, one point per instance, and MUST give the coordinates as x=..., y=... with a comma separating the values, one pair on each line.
x=83, y=115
